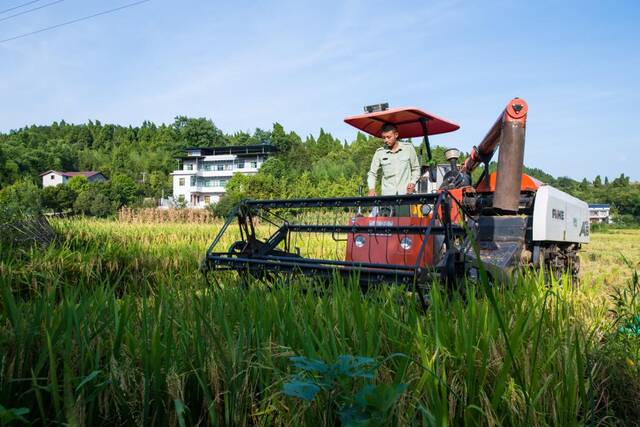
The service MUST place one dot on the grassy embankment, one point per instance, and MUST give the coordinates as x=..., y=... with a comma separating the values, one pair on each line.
x=116, y=325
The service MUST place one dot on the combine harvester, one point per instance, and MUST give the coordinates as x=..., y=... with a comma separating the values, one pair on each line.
x=414, y=239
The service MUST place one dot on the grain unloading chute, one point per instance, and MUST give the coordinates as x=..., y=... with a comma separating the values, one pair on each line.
x=415, y=238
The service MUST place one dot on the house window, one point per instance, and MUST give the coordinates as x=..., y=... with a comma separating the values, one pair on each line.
x=254, y=164
x=207, y=200
x=181, y=182
x=215, y=183
x=228, y=166
x=193, y=181
x=53, y=177
x=223, y=183
x=220, y=167
x=240, y=165
x=189, y=166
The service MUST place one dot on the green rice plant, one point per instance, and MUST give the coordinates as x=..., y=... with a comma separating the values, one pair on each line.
x=117, y=326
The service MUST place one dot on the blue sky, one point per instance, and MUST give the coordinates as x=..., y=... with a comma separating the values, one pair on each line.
x=308, y=65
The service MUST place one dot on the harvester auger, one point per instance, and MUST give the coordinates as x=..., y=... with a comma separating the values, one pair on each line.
x=414, y=239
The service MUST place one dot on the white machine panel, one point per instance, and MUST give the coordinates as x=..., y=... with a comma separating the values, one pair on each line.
x=441, y=169
x=559, y=217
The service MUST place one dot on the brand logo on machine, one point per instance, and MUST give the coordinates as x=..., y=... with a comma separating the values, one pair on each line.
x=584, y=231
x=557, y=214
x=378, y=223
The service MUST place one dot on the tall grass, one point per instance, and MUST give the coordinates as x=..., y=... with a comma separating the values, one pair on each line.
x=116, y=326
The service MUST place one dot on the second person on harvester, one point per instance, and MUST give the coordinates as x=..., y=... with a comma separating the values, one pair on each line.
x=399, y=163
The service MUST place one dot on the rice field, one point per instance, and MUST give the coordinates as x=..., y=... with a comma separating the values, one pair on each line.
x=116, y=326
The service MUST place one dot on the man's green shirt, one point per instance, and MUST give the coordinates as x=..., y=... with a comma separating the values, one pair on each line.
x=399, y=169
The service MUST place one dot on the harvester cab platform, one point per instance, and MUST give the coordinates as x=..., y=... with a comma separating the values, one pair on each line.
x=416, y=238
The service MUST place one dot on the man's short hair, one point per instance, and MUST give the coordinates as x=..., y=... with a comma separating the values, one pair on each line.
x=388, y=127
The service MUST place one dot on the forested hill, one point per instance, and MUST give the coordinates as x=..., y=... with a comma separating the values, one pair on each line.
x=138, y=161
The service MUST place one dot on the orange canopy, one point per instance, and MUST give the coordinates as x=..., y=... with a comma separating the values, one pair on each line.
x=406, y=119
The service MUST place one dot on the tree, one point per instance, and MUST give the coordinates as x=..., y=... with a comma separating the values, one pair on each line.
x=275, y=167
x=223, y=208
x=10, y=172
x=199, y=132
x=4, y=179
x=78, y=184
x=94, y=202
x=66, y=196
x=584, y=185
x=19, y=199
x=49, y=197
x=85, y=137
x=621, y=181
x=101, y=206
x=289, y=148
x=82, y=204
x=123, y=190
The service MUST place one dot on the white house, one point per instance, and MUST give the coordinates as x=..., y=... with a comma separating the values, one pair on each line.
x=204, y=172
x=51, y=177
x=600, y=213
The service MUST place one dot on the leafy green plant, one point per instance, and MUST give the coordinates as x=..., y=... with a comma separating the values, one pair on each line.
x=8, y=416
x=369, y=406
x=619, y=356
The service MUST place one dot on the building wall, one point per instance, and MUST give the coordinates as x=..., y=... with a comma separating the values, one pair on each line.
x=599, y=215
x=204, y=178
x=52, y=179
x=182, y=186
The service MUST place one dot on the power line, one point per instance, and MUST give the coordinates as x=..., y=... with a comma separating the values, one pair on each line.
x=84, y=18
x=30, y=10
x=19, y=6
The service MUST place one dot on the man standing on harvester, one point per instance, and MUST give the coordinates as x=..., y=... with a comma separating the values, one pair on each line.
x=399, y=163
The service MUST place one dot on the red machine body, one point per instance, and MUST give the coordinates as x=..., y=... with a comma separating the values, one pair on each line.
x=398, y=249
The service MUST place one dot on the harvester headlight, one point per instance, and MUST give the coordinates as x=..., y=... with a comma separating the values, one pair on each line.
x=405, y=243
x=360, y=241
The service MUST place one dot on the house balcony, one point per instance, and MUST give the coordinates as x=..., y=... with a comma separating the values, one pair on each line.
x=225, y=173
x=184, y=172
x=206, y=190
x=212, y=174
x=216, y=173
